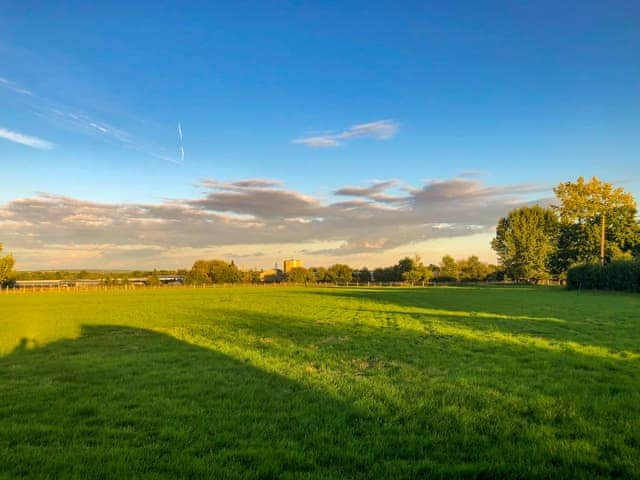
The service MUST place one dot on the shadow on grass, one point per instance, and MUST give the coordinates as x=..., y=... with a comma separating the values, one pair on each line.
x=506, y=310
x=520, y=403
x=499, y=301
x=121, y=402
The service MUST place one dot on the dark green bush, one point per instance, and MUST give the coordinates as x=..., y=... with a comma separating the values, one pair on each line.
x=623, y=275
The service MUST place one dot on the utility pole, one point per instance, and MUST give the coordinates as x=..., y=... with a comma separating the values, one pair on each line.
x=602, y=237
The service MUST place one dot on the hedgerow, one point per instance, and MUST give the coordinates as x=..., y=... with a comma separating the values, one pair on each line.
x=622, y=275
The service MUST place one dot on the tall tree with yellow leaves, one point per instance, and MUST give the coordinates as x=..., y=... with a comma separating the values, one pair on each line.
x=592, y=214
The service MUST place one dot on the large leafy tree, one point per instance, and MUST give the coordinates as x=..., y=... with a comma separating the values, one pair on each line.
x=6, y=268
x=525, y=242
x=598, y=222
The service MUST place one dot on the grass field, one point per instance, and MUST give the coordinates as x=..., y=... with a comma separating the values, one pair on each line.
x=320, y=383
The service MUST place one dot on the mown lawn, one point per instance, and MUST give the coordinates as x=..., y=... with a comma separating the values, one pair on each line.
x=320, y=383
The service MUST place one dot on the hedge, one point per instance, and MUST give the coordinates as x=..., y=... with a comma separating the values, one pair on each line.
x=623, y=275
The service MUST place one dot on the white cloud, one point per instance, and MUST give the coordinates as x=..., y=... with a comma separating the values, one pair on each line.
x=27, y=140
x=380, y=130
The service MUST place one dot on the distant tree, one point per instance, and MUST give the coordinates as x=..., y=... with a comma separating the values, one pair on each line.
x=448, y=269
x=412, y=270
x=435, y=270
x=214, y=271
x=223, y=272
x=250, y=276
x=300, y=275
x=6, y=269
x=598, y=222
x=364, y=275
x=199, y=273
x=386, y=274
x=340, y=273
x=405, y=265
x=419, y=273
x=526, y=241
x=320, y=274
x=472, y=269
x=494, y=273
x=408, y=269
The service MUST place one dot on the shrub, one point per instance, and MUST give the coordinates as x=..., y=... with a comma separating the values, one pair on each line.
x=622, y=275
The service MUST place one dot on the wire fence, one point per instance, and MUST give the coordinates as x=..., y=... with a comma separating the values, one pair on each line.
x=25, y=289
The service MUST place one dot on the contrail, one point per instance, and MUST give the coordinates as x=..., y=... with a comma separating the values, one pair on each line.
x=27, y=140
x=181, y=145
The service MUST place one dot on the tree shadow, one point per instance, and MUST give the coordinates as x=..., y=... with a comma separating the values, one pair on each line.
x=504, y=310
x=505, y=301
x=531, y=398
x=122, y=402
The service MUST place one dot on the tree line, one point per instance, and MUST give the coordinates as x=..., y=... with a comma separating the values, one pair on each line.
x=449, y=269
x=219, y=271
x=408, y=269
x=91, y=274
x=591, y=222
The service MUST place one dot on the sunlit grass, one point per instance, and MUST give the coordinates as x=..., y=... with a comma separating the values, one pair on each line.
x=320, y=383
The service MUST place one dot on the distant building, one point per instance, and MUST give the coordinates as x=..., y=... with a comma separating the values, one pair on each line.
x=88, y=282
x=41, y=283
x=271, y=275
x=171, y=279
x=291, y=264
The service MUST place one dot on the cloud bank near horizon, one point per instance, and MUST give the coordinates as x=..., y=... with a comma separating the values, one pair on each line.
x=258, y=220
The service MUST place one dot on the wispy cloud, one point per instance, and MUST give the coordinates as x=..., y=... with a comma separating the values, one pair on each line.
x=6, y=83
x=73, y=119
x=380, y=130
x=26, y=140
x=472, y=174
x=81, y=122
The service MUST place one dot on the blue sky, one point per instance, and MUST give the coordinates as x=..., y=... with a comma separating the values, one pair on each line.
x=496, y=94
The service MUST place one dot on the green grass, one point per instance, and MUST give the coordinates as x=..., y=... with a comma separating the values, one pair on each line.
x=320, y=383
